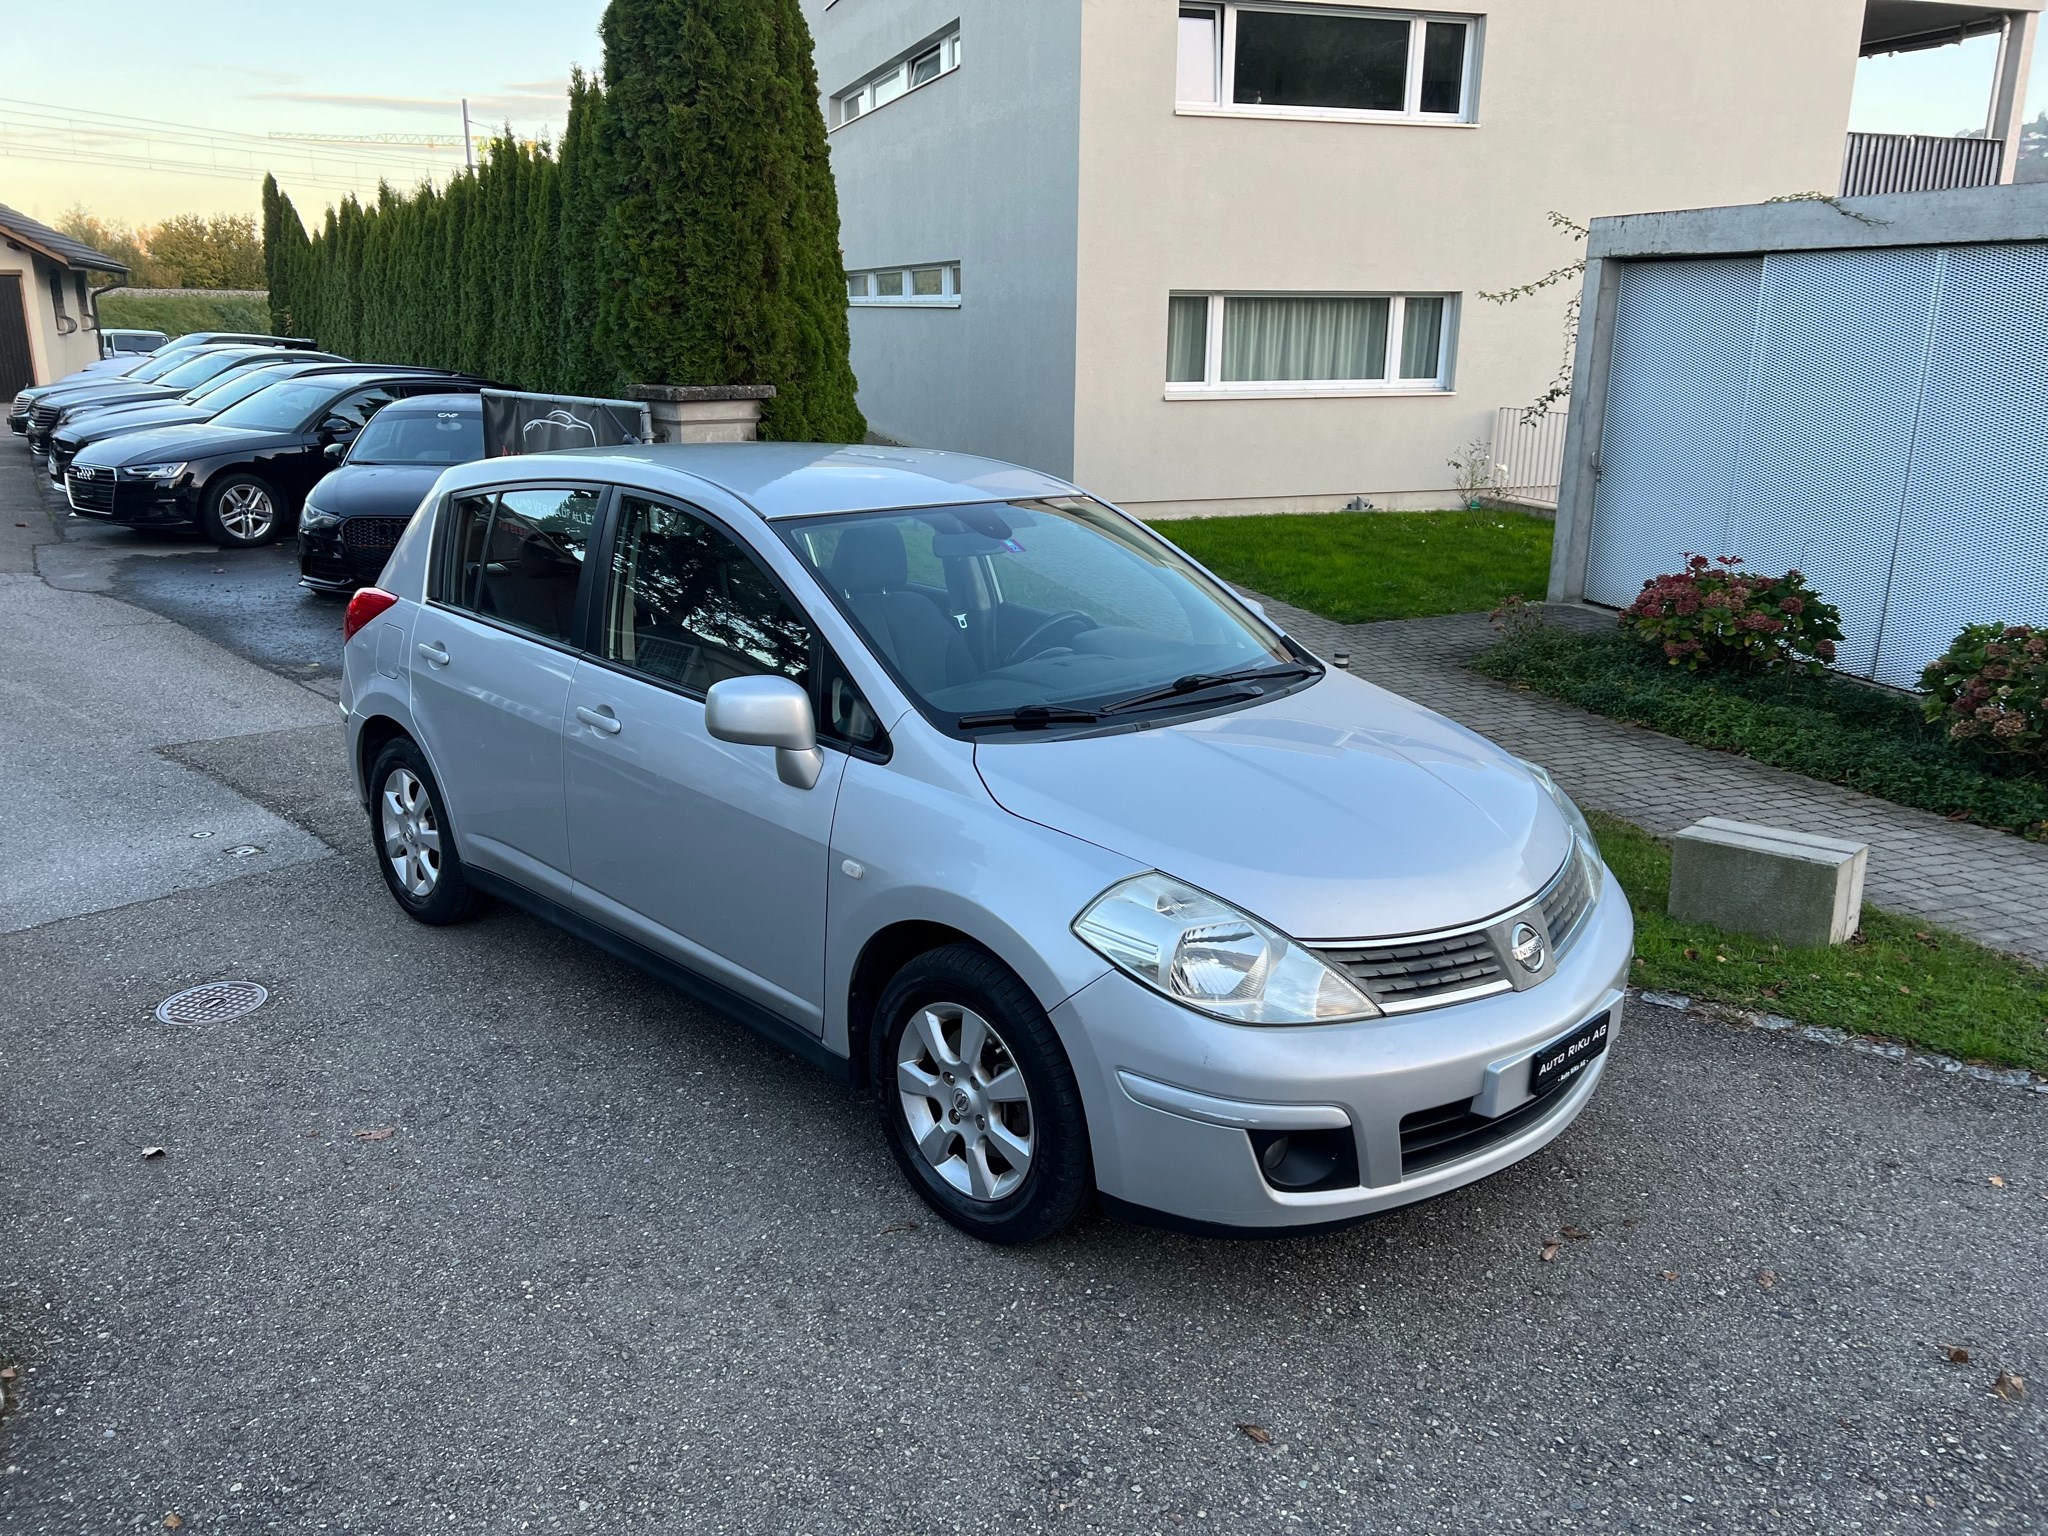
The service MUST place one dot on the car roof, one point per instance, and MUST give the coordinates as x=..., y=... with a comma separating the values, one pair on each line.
x=789, y=479
x=411, y=404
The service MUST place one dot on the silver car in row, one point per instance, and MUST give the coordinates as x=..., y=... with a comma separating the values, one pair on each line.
x=975, y=791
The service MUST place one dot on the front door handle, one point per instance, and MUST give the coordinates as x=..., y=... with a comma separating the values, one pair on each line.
x=600, y=719
x=435, y=652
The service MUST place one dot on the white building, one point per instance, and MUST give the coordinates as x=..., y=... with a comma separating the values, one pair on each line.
x=48, y=323
x=1228, y=255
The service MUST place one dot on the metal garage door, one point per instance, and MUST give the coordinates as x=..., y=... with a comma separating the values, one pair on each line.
x=1876, y=418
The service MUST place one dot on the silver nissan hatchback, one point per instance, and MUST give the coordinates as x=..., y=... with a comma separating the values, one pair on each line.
x=978, y=793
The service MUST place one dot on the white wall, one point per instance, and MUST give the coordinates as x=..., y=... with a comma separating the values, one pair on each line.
x=1588, y=107
x=980, y=166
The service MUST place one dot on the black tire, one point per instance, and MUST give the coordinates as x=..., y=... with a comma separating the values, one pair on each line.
x=451, y=897
x=229, y=516
x=1058, y=1181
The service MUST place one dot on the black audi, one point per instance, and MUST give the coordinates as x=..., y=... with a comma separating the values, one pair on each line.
x=243, y=475
x=352, y=519
x=146, y=367
x=201, y=367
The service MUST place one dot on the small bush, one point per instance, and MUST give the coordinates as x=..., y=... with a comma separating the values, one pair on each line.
x=1717, y=616
x=1991, y=690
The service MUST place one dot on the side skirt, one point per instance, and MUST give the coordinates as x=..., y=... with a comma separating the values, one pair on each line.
x=771, y=1026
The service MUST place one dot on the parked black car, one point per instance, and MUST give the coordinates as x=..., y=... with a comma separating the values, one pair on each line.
x=352, y=519
x=201, y=404
x=200, y=366
x=130, y=367
x=243, y=475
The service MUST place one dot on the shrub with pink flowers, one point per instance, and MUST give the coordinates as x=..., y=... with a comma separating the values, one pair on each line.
x=1715, y=616
x=1990, y=688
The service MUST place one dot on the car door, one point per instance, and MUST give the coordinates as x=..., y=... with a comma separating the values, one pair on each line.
x=694, y=846
x=494, y=649
x=295, y=469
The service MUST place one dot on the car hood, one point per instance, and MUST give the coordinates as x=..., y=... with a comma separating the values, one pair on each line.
x=128, y=418
x=1341, y=811
x=375, y=490
x=94, y=391
x=200, y=440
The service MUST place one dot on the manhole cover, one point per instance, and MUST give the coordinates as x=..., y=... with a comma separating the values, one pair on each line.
x=213, y=1003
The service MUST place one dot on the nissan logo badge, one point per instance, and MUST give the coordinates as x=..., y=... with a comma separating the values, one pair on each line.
x=1526, y=945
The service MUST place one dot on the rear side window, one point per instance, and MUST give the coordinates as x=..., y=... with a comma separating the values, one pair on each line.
x=517, y=556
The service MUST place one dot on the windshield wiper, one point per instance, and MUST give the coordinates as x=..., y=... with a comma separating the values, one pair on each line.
x=1027, y=716
x=1196, y=682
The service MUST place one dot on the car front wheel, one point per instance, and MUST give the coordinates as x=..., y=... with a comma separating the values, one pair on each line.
x=241, y=512
x=977, y=1098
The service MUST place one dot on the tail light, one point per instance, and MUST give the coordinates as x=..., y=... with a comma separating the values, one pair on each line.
x=364, y=606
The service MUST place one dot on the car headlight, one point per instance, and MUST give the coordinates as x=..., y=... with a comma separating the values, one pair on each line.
x=313, y=520
x=1206, y=954
x=1574, y=818
x=153, y=471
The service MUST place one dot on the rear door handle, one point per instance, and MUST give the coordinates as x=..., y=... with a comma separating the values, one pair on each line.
x=600, y=719
x=435, y=652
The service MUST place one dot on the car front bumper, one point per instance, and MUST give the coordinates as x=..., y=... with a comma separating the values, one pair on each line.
x=146, y=503
x=1175, y=1098
x=348, y=553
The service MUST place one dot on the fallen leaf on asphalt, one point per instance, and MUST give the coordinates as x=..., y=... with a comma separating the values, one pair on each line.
x=149, y=1152
x=381, y=1133
x=1957, y=1355
x=1670, y=1274
x=1576, y=1234
x=899, y=1226
x=1550, y=1250
x=1997, y=1182
x=1628, y=1221
x=1767, y=1278
x=6, y=1373
x=2008, y=1386
x=1257, y=1434
x=173, y=1521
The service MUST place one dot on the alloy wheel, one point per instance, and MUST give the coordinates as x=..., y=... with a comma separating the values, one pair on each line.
x=247, y=511
x=412, y=837
x=965, y=1101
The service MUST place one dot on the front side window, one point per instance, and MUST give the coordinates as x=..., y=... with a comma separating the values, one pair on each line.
x=279, y=408
x=1294, y=60
x=994, y=615
x=517, y=556
x=359, y=407
x=1305, y=343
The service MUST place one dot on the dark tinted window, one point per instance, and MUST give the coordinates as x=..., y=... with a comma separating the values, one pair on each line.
x=359, y=407
x=408, y=436
x=283, y=407
x=518, y=557
x=1290, y=59
x=1443, y=67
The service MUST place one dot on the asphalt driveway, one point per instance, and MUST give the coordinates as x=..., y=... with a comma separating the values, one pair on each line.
x=471, y=1230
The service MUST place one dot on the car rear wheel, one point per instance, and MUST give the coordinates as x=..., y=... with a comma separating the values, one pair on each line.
x=977, y=1098
x=415, y=849
x=241, y=512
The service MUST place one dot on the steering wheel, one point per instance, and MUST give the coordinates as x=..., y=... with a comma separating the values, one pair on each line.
x=1029, y=646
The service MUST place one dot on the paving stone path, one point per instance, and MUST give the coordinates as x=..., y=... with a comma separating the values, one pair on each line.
x=1990, y=886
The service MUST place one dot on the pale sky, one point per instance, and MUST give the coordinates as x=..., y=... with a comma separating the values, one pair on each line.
x=145, y=108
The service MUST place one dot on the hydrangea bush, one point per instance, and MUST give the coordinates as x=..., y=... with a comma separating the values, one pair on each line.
x=1991, y=689
x=1713, y=615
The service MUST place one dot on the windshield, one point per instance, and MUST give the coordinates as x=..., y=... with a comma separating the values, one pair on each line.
x=201, y=368
x=159, y=364
x=420, y=437
x=233, y=388
x=1055, y=604
x=279, y=408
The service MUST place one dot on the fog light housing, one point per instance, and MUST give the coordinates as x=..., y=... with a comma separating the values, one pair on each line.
x=1299, y=1162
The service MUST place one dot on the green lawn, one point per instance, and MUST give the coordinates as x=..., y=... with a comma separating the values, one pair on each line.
x=1830, y=727
x=1905, y=980
x=177, y=315
x=1356, y=567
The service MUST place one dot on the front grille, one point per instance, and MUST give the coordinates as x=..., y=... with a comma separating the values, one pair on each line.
x=95, y=495
x=1419, y=971
x=1431, y=1138
x=1398, y=975
x=368, y=542
x=44, y=417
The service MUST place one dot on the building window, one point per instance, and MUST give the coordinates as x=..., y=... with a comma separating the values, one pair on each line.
x=937, y=283
x=1303, y=61
x=1306, y=344
x=920, y=66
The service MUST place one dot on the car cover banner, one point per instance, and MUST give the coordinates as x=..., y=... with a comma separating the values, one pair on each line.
x=521, y=423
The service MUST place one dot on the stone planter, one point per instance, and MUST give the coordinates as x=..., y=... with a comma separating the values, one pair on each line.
x=704, y=413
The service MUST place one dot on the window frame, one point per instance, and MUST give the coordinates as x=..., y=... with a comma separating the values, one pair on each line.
x=1411, y=113
x=1214, y=387
x=861, y=95
x=947, y=298
x=445, y=553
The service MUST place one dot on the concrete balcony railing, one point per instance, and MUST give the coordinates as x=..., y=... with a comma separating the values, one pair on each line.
x=1905, y=162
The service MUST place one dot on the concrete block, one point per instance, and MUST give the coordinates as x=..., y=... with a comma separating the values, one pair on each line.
x=1799, y=889
x=704, y=413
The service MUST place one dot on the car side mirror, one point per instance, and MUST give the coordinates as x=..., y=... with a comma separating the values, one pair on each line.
x=768, y=712
x=336, y=426
x=336, y=451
